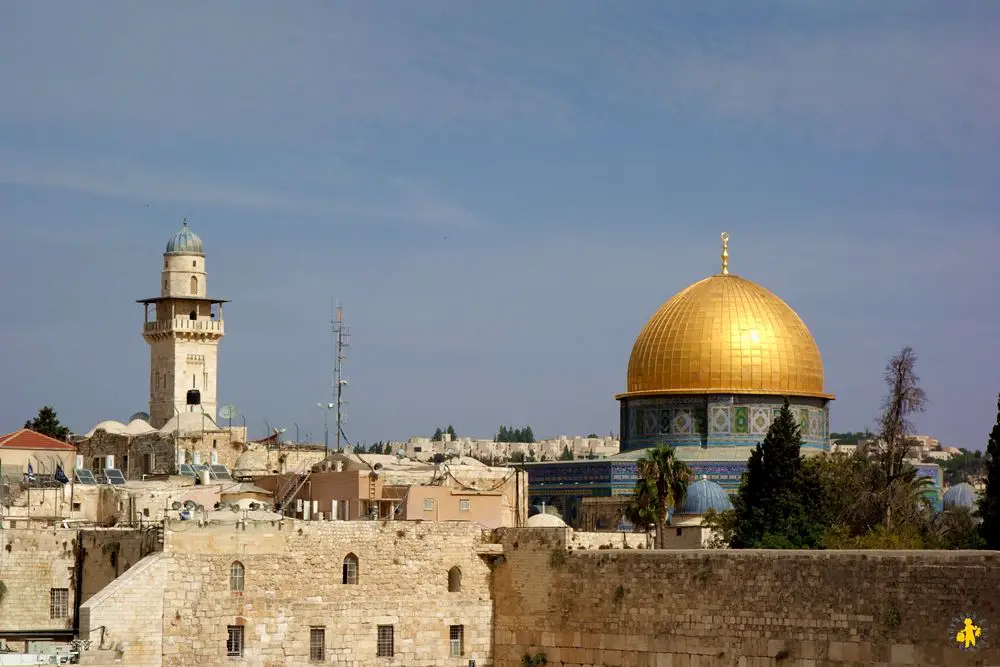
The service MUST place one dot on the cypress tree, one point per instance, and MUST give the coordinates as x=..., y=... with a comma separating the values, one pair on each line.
x=771, y=506
x=989, y=504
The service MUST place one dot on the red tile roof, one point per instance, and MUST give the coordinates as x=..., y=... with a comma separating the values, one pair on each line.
x=28, y=439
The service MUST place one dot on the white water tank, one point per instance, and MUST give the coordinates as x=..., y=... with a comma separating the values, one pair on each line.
x=180, y=456
x=334, y=514
x=109, y=461
x=206, y=478
x=196, y=458
x=315, y=508
x=305, y=512
x=338, y=466
x=214, y=458
x=298, y=505
x=79, y=460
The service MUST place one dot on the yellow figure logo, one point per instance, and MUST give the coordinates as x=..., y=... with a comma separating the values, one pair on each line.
x=967, y=635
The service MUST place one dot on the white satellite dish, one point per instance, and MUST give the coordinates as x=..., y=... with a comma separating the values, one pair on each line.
x=228, y=412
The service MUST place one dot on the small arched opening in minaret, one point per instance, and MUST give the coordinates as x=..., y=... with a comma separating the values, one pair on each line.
x=194, y=315
x=194, y=284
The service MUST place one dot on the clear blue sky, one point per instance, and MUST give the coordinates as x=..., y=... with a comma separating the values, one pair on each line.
x=499, y=193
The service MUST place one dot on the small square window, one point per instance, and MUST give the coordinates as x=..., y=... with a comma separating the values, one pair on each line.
x=456, y=636
x=234, y=643
x=58, y=603
x=386, y=645
x=317, y=644
x=428, y=504
x=464, y=504
x=679, y=531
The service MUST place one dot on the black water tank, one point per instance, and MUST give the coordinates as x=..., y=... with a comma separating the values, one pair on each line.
x=193, y=397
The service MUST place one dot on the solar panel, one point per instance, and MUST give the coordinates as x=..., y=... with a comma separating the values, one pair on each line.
x=219, y=472
x=199, y=467
x=84, y=476
x=114, y=476
x=187, y=470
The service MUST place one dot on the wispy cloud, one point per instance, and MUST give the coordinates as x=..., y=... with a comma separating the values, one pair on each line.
x=404, y=201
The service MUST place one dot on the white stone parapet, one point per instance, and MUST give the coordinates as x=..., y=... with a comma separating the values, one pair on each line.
x=184, y=324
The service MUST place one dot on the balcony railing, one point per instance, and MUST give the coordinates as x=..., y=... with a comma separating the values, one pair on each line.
x=183, y=324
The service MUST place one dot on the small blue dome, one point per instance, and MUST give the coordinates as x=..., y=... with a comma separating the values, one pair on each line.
x=705, y=495
x=185, y=242
x=960, y=495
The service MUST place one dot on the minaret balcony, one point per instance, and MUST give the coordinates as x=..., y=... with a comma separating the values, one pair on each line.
x=184, y=325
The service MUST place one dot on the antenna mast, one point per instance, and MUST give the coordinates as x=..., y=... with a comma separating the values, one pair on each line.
x=342, y=333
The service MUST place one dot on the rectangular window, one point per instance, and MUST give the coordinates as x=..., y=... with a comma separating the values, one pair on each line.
x=464, y=504
x=428, y=504
x=234, y=644
x=317, y=644
x=679, y=532
x=58, y=603
x=147, y=463
x=386, y=645
x=456, y=636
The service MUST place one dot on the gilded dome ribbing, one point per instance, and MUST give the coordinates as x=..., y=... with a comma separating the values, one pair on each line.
x=726, y=335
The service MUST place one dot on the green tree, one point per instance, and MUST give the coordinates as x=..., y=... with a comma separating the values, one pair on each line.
x=451, y=431
x=989, y=504
x=965, y=466
x=47, y=423
x=437, y=437
x=592, y=435
x=567, y=454
x=662, y=482
x=776, y=506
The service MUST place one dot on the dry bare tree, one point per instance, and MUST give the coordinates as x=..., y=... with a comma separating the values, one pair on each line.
x=904, y=398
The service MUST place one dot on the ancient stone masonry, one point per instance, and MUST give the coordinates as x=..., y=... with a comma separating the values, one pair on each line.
x=291, y=601
x=645, y=608
x=36, y=566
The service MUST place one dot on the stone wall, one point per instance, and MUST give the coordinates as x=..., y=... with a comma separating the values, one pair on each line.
x=109, y=553
x=293, y=583
x=582, y=540
x=33, y=562
x=123, y=621
x=711, y=608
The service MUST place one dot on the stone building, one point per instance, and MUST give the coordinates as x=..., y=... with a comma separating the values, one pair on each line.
x=352, y=486
x=140, y=451
x=295, y=593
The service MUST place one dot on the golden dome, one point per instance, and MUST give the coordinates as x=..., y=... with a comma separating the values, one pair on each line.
x=726, y=335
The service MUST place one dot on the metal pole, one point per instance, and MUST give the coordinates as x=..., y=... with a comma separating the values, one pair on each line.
x=326, y=433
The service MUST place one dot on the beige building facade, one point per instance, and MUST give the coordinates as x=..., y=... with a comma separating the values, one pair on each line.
x=299, y=593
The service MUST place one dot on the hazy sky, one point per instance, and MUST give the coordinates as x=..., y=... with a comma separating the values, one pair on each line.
x=500, y=193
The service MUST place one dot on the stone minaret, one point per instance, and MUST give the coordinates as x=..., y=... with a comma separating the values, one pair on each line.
x=184, y=335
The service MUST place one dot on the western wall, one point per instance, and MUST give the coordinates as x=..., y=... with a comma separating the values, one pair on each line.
x=708, y=608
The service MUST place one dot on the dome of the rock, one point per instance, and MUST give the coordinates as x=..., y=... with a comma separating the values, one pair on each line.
x=725, y=334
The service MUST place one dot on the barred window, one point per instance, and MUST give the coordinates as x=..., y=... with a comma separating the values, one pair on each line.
x=464, y=504
x=58, y=603
x=234, y=644
x=428, y=504
x=236, y=572
x=456, y=636
x=317, y=644
x=350, y=569
x=386, y=645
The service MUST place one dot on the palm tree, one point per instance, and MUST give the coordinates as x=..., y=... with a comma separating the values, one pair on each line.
x=662, y=483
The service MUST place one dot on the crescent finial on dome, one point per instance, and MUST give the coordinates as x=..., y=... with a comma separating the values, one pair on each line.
x=725, y=253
